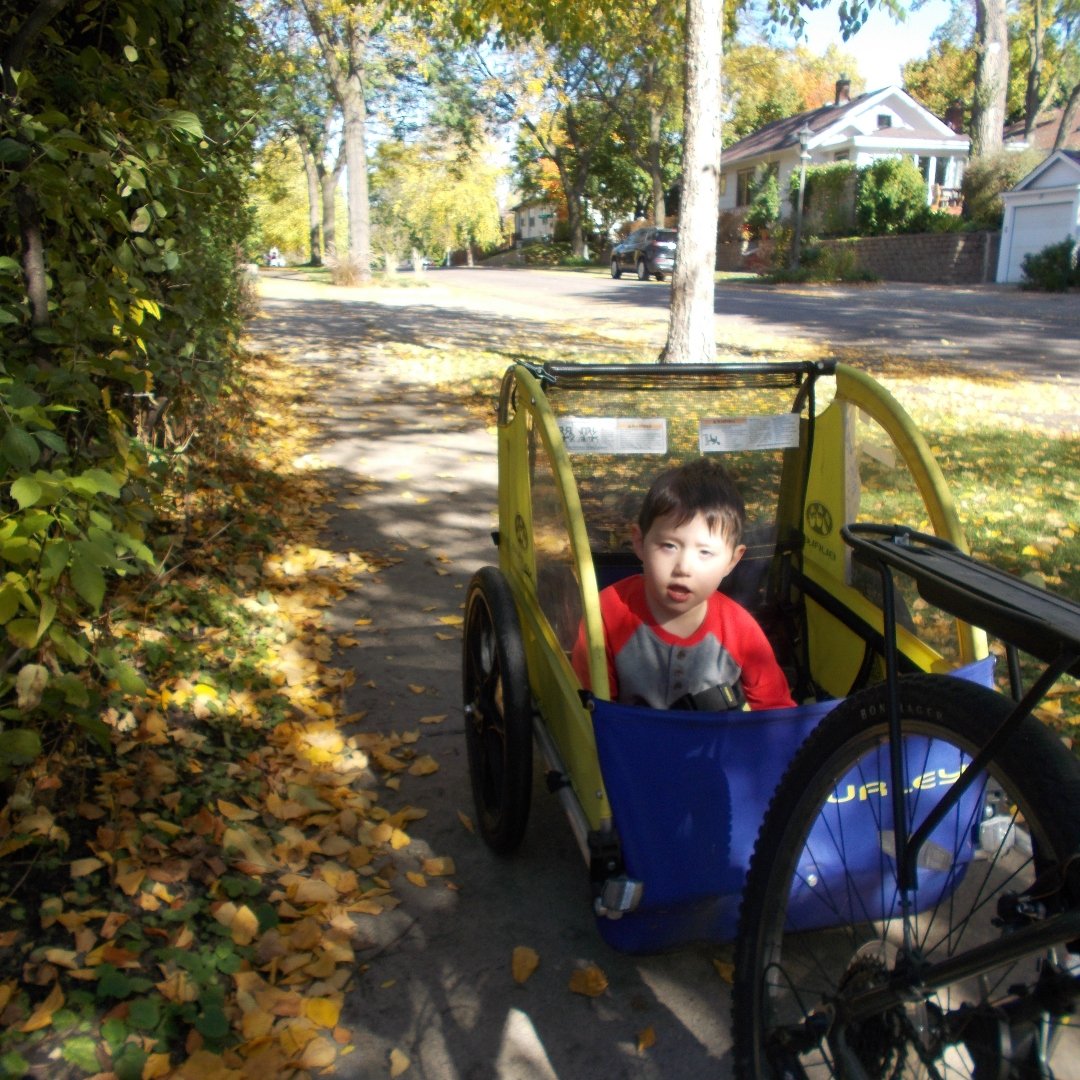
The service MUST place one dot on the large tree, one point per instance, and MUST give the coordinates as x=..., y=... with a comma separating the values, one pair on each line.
x=302, y=106
x=691, y=325
x=345, y=33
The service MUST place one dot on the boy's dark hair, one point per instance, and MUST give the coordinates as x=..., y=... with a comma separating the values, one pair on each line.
x=702, y=486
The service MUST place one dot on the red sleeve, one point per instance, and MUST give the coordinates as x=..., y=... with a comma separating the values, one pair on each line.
x=619, y=620
x=763, y=680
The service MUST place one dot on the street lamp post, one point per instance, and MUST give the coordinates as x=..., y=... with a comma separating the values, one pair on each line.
x=805, y=135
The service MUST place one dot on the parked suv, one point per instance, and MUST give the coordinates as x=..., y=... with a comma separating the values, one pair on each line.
x=648, y=251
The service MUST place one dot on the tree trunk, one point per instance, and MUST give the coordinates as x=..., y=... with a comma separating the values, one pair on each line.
x=311, y=172
x=328, y=182
x=346, y=73
x=355, y=112
x=692, y=324
x=1034, y=74
x=656, y=169
x=1068, y=118
x=991, y=77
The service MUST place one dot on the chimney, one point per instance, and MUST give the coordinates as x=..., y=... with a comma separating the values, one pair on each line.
x=954, y=116
x=843, y=91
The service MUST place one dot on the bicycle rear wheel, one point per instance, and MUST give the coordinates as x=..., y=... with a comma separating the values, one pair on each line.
x=823, y=921
x=498, y=711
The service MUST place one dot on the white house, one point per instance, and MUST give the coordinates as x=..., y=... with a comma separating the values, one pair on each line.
x=534, y=219
x=1043, y=209
x=878, y=124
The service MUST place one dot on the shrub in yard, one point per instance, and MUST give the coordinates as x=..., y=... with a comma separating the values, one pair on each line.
x=891, y=196
x=829, y=197
x=764, y=205
x=987, y=177
x=1054, y=269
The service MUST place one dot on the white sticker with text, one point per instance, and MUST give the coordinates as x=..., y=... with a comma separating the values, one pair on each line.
x=614, y=435
x=719, y=434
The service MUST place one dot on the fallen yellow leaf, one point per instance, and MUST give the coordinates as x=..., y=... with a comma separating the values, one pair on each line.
x=424, y=766
x=441, y=866
x=417, y=879
x=322, y=1011
x=318, y=1054
x=82, y=867
x=433, y=719
x=451, y=620
x=42, y=1016
x=399, y=1062
x=590, y=981
x=646, y=1038
x=245, y=926
x=523, y=963
x=235, y=813
x=726, y=970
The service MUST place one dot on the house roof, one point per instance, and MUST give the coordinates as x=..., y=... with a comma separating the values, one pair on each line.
x=1071, y=160
x=783, y=134
x=1044, y=132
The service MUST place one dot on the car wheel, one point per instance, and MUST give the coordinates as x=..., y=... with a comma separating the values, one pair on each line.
x=659, y=276
x=616, y=270
x=642, y=271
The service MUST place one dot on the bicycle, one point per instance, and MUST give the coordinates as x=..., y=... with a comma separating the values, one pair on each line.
x=952, y=949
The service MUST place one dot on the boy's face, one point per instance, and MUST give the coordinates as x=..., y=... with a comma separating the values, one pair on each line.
x=683, y=566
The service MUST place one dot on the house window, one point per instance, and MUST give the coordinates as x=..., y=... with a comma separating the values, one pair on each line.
x=742, y=186
x=884, y=120
x=841, y=155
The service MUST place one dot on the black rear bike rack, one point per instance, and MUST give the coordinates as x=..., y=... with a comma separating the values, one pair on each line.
x=1025, y=617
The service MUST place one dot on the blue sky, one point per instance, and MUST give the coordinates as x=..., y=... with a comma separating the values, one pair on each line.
x=883, y=44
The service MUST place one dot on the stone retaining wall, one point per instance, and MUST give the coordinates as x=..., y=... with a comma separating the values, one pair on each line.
x=934, y=258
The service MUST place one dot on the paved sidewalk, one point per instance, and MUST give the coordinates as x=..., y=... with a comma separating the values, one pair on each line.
x=416, y=483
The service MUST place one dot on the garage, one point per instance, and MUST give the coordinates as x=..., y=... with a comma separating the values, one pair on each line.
x=1043, y=209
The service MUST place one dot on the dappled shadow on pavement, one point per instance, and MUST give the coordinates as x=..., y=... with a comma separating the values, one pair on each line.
x=313, y=327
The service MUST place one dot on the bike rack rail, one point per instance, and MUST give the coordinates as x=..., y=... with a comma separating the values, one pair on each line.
x=1025, y=617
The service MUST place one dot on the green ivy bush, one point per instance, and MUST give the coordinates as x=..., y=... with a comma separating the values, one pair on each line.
x=1054, y=269
x=891, y=197
x=764, y=208
x=828, y=197
x=125, y=142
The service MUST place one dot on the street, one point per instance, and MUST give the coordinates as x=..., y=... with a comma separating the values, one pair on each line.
x=973, y=327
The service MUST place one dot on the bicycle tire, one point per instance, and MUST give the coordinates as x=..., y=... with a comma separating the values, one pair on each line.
x=498, y=711
x=792, y=985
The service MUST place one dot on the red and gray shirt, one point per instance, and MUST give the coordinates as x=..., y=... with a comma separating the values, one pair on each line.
x=648, y=666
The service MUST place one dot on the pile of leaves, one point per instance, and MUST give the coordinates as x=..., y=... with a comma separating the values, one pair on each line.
x=188, y=903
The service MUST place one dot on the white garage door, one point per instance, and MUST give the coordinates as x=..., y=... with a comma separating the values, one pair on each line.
x=1034, y=228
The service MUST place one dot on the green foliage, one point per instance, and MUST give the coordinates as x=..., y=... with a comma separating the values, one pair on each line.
x=764, y=204
x=1054, y=269
x=828, y=199
x=434, y=198
x=124, y=143
x=891, y=196
x=987, y=177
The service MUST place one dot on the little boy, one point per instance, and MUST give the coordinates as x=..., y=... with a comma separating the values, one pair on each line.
x=672, y=640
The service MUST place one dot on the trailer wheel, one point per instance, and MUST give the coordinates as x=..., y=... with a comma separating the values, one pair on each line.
x=498, y=711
